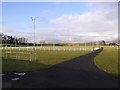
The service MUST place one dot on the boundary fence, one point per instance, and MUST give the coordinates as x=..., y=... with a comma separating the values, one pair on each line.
x=29, y=53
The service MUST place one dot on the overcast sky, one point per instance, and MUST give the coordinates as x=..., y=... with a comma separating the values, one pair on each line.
x=62, y=22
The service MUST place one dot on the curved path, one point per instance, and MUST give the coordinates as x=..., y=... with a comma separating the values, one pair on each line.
x=79, y=72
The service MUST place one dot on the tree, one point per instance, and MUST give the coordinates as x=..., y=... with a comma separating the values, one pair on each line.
x=22, y=40
x=9, y=39
x=1, y=37
x=5, y=38
x=102, y=42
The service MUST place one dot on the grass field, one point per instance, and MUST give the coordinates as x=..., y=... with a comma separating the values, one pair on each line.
x=107, y=60
x=44, y=59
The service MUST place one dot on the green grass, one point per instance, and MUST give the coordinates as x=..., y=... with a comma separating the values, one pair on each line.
x=44, y=59
x=107, y=60
x=54, y=57
x=10, y=65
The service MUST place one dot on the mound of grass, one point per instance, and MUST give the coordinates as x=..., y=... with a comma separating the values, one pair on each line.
x=107, y=60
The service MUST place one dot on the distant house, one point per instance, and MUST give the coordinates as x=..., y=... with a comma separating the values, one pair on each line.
x=118, y=45
x=112, y=44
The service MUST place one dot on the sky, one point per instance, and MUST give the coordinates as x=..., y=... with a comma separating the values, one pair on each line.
x=60, y=0
x=61, y=21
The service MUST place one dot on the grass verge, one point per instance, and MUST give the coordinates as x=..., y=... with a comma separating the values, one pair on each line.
x=107, y=60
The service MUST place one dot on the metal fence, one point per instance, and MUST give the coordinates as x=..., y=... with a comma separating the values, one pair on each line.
x=29, y=53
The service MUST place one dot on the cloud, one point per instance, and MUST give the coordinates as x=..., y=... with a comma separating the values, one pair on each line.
x=98, y=23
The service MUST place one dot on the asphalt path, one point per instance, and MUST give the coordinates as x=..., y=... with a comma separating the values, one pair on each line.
x=80, y=72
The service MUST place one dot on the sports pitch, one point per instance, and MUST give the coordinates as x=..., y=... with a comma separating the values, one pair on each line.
x=28, y=59
x=25, y=59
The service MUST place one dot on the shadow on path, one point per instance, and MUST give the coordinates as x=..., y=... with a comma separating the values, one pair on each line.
x=79, y=72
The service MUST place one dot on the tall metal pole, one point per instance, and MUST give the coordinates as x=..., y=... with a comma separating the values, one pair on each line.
x=6, y=47
x=85, y=46
x=34, y=31
x=33, y=19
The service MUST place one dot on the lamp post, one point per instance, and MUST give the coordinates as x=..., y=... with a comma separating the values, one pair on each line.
x=33, y=19
x=85, y=46
x=70, y=42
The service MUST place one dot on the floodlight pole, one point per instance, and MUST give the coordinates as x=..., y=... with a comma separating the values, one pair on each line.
x=85, y=46
x=96, y=44
x=6, y=48
x=34, y=29
x=15, y=42
x=53, y=44
x=33, y=19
